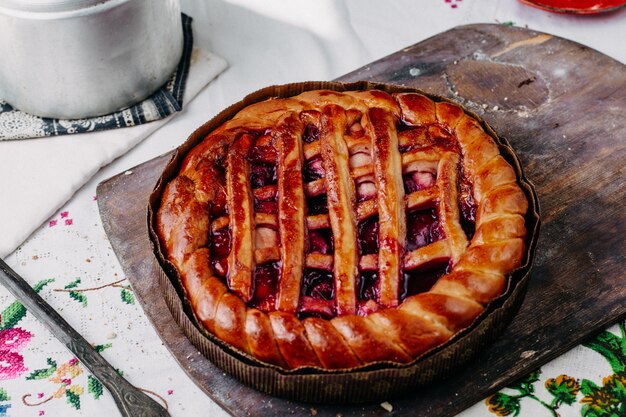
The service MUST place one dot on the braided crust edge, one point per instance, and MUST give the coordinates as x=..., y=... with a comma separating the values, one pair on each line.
x=398, y=334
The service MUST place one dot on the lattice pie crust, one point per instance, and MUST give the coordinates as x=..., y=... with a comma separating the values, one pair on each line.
x=339, y=229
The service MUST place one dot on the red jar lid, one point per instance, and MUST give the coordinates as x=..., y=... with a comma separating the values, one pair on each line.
x=576, y=6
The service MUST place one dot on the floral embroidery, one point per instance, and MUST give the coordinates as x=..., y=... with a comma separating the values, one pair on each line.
x=608, y=400
x=502, y=404
x=13, y=339
x=11, y=362
x=564, y=389
x=453, y=3
x=4, y=397
x=64, y=378
x=75, y=295
x=126, y=292
x=63, y=216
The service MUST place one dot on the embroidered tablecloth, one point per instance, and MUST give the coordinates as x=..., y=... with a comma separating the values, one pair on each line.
x=69, y=261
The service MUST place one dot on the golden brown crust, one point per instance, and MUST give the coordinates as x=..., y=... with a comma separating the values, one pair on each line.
x=449, y=216
x=415, y=334
x=341, y=203
x=183, y=219
x=500, y=256
x=359, y=145
x=261, y=338
x=204, y=290
x=292, y=340
x=241, y=220
x=369, y=342
x=391, y=227
x=290, y=212
x=230, y=321
x=481, y=287
x=454, y=313
x=506, y=199
x=330, y=347
x=416, y=109
x=448, y=114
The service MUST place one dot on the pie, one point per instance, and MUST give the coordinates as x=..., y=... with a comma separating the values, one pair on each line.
x=338, y=229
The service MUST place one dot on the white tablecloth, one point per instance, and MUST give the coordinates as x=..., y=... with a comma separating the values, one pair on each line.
x=264, y=42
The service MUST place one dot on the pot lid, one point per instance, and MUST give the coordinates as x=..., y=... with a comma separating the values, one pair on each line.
x=49, y=6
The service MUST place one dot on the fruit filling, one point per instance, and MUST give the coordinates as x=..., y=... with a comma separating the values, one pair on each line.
x=367, y=286
x=220, y=247
x=311, y=133
x=422, y=228
x=317, y=294
x=421, y=279
x=368, y=236
x=265, y=286
x=317, y=291
x=317, y=284
x=321, y=240
x=418, y=180
x=262, y=175
x=265, y=206
x=317, y=205
x=467, y=207
x=313, y=170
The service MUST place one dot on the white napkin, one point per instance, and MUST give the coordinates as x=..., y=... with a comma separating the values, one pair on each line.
x=37, y=176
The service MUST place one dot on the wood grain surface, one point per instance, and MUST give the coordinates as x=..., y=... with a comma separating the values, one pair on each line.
x=561, y=106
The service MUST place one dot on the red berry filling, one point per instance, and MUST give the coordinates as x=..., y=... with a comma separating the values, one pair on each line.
x=368, y=236
x=321, y=241
x=265, y=287
x=422, y=228
x=421, y=279
x=258, y=154
x=318, y=294
x=265, y=203
x=417, y=180
x=220, y=247
x=467, y=207
x=311, y=133
x=367, y=285
x=262, y=175
x=313, y=170
x=318, y=284
x=317, y=205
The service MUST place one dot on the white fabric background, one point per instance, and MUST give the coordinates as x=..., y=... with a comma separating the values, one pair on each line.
x=38, y=175
x=265, y=42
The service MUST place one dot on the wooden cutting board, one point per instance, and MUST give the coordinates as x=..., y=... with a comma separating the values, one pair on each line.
x=562, y=106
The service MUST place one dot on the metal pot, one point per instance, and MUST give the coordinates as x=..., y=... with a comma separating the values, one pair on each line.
x=80, y=58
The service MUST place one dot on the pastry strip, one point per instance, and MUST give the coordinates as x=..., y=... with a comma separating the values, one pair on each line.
x=422, y=198
x=421, y=154
x=315, y=188
x=341, y=203
x=380, y=126
x=241, y=218
x=447, y=177
x=291, y=216
x=438, y=251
